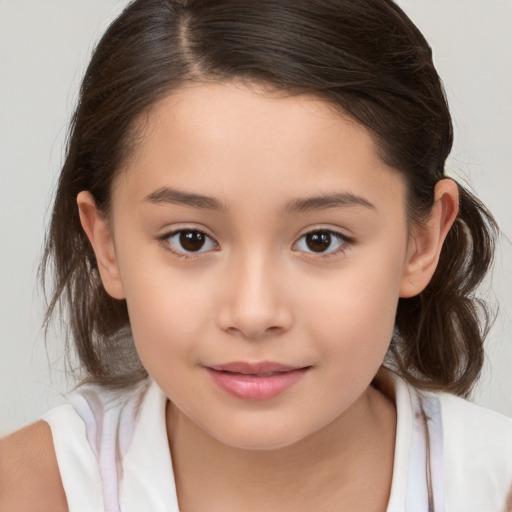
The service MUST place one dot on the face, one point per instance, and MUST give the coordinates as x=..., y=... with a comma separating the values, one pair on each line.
x=261, y=246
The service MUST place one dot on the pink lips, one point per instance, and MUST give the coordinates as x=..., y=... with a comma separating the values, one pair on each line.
x=260, y=381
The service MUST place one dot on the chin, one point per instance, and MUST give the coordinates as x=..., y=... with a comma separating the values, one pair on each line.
x=259, y=438
x=259, y=443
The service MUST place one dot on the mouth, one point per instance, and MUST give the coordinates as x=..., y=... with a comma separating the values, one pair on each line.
x=256, y=381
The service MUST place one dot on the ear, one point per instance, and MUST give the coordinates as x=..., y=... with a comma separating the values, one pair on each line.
x=426, y=241
x=100, y=236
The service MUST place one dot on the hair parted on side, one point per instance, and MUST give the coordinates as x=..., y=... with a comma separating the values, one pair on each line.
x=363, y=56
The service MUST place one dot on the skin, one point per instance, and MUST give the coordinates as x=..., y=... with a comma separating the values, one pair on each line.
x=256, y=292
x=29, y=474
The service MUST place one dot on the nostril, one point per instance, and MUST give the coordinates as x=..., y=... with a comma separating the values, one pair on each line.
x=254, y=320
x=253, y=332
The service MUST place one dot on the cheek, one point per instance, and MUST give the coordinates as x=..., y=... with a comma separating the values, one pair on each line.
x=355, y=310
x=167, y=314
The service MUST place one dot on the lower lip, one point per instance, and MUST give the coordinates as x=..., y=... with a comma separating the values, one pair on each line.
x=252, y=387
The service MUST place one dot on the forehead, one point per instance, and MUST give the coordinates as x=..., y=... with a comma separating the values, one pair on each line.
x=252, y=115
x=232, y=139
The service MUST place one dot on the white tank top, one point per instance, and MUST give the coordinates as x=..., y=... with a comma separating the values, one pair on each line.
x=113, y=452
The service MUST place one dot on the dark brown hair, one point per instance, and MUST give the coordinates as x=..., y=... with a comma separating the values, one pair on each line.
x=364, y=56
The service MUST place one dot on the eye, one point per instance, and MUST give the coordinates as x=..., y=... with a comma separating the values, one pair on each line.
x=189, y=241
x=322, y=241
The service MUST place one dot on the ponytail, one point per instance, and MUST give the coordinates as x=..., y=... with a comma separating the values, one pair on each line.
x=439, y=334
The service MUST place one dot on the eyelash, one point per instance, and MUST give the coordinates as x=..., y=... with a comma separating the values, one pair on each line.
x=164, y=240
x=344, y=241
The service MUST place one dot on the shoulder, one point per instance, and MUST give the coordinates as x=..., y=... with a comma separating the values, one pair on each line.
x=29, y=473
x=477, y=421
x=469, y=427
x=477, y=447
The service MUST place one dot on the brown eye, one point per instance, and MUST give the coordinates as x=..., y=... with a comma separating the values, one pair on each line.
x=322, y=242
x=318, y=241
x=189, y=241
x=192, y=240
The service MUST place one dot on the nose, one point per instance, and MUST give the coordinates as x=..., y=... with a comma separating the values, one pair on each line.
x=254, y=304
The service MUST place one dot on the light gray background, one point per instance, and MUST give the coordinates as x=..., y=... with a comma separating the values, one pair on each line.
x=44, y=46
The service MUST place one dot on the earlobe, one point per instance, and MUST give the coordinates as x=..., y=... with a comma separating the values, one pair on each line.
x=426, y=241
x=98, y=232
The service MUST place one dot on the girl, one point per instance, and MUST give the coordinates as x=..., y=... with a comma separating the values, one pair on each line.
x=266, y=275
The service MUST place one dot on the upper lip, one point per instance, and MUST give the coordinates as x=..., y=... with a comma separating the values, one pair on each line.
x=254, y=368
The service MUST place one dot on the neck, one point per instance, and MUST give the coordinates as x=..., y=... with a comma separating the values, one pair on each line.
x=337, y=465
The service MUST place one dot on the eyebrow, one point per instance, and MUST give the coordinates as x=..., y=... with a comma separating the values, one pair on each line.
x=326, y=201
x=320, y=202
x=179, y=197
